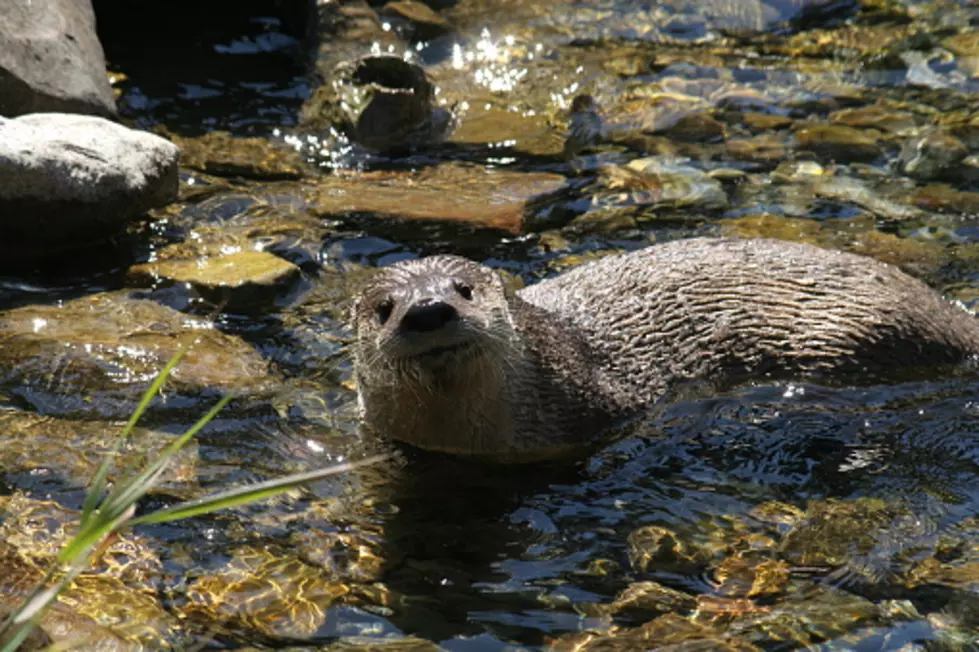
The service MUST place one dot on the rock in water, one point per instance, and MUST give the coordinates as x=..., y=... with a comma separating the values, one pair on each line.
x=67, y=181
x=51, y=59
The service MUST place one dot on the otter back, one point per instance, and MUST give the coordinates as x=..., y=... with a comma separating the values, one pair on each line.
x=727, y=310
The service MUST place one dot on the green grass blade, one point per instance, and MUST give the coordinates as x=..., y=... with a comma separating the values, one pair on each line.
x=97, y=488
x=24, y=618
x=88, y=537
x=247, y=494
x=127, y=493
x=14, y=643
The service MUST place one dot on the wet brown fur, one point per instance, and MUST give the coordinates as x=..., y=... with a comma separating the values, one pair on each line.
x=554, y=364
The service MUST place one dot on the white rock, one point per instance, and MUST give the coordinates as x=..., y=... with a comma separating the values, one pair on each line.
x=71, y=180
x=51, y=59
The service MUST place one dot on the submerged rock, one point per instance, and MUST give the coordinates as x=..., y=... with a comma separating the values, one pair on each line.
x=496, y=199
x=237, y=281
x=67, y=181
x=873, y=117
x=264, y=590
x=422, y=21
x=943, y=197
x=848, y=189
x=94, y=352
x=643, y=600
x=838, y=143
x=221, y=154
x=381, y=102
x=932, y=156
x=51, y=59
x=72, y=450
x=661, y=182
x=112, y=605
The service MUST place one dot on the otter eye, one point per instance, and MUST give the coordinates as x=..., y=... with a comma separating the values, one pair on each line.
x=384, y=309
x=465, y=290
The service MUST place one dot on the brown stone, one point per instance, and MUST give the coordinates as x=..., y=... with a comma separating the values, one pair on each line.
x=764, y=149
x=873, y=117
x=238, y=280
x=221, y=154
x=765, y=121
x=838, y=143
x=494, y=199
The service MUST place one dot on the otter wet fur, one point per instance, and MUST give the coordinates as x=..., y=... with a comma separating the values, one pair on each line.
x=448, y=359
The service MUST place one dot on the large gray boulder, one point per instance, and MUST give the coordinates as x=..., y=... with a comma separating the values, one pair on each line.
x=51, y=59
x=68, y=181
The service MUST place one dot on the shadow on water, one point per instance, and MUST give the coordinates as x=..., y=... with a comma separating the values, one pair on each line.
x=507, y=551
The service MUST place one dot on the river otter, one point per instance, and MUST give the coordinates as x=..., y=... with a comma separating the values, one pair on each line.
x=448, y=359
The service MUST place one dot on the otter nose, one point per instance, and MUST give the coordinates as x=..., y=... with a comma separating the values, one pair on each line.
x=428, y=315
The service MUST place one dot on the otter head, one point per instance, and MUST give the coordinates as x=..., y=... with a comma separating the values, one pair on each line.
x=422, y=314
x=434, y=337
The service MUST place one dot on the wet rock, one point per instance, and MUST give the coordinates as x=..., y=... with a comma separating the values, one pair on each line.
x=345, y=30
x=745, y=576
x=425, y=24
x=805, y=617
x=492, y=198
x=381, y=102
x=347, y=556
x=263, y=590
x=834, y=532
x=848, y=189
x=932, y=156
x=778, y=514
x=643, y=600
x=657, y=548
x=698, y=128
x=798, y=171
x=73, y=450
x=67, y=181
x=873, y=117
x=965, y=47
x=767, y=225
x=586, y=126
x=944, y=198
x=603, y=221
x=494, y=127
x=964, y=125
x=51, y=59
x=911, y=255
x=240, y=281
x=95, y=352
x=766, y=148
x=271, y=218
x=661, y=182
x=112, y=605
x=669, y=632
x=765, y=121
x=221, y=154
x=838, y=143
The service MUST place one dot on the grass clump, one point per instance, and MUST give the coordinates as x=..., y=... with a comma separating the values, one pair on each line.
x=106, y=513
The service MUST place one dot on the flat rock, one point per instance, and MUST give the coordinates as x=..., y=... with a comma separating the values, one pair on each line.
x=838, y=142
x=474, y=196
x=100, y=352
x=51, y=59
x=945, y=198
x=240, y=280
x=68, y=181
x=70, y=451
x=221, y=154
x=873, y=117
